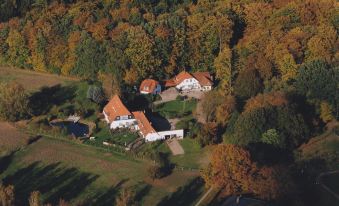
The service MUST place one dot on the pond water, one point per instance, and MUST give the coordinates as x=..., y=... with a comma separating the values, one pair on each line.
x=76, y=129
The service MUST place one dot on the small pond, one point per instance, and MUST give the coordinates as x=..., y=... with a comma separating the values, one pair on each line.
x=76, y=129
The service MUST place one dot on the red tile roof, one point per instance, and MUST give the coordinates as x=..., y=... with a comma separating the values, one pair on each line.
x=144, y=125
x=178, y=79
x=204, y=78
x=148, y=85
x=115, y=108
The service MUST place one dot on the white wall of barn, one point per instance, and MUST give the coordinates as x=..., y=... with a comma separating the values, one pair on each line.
x=189, y=84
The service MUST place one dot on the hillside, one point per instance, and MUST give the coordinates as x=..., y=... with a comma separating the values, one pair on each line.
x=181, y=97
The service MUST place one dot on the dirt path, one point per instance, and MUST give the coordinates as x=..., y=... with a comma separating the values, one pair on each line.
x=204, y=197
x=175, y=147
x=320, y=181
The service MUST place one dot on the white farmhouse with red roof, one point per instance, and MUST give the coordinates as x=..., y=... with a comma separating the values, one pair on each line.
x=118, y=116
x=187, y=82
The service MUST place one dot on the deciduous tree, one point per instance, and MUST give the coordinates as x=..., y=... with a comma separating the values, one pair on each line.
x=14, y=102
x=6, y=195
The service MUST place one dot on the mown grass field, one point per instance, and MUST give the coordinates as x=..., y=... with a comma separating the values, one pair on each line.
x=176, y=108
x=81, y=173
x=194, y=157
x=30, y=79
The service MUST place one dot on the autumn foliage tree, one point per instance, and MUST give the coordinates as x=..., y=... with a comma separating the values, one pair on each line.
x=232, y=170
x=7, y=195
x=14, y=102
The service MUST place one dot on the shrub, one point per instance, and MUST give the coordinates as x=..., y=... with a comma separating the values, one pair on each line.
x=96, y=94
x=155, y=171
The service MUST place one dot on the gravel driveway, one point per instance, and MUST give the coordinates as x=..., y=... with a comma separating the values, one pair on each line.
x=175, y=147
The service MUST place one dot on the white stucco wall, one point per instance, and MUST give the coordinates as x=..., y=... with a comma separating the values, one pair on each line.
x=123, y=123
x=153, y=137
x=172, y=133
x=189, y=84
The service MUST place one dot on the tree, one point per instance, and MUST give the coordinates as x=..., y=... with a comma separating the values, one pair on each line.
x=247, y=84
x=232, y=170
x=208, y=134
x=14, y=102
x=223, y=69
x=319, y=82
x=17, y=51
x=141, y=51
x=6, y=195
x=63, y=203
x=224, y=111
x=35, y=199
x=265, y=100
x=252, y=126
x=272, y=137
x=90, y=57
x=96, y=94
x=326, y=112
x=126, y=198
x=155, y=171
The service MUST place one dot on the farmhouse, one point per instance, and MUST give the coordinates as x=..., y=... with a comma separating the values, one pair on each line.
x=118, y=116
x=150, y=86
x=145, y=128
x=185, y=81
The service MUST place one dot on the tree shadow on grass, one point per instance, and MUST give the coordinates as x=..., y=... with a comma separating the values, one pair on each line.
x=44, y=99
x=5, y=161
x=53, y=181
x=105, y=197
x=185, y=195
x=142, y=192
x=108, y=196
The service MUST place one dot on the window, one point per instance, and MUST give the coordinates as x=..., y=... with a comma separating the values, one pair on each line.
x=117, y=118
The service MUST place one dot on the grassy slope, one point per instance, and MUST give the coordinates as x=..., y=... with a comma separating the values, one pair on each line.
x=83, y=173
x=324, y=146
x=30, y=79
x=321, y=146
x=10, y=138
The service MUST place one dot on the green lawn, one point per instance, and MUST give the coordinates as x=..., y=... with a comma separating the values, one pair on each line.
x=81, y=173
x=176, y=108
x=195, y=157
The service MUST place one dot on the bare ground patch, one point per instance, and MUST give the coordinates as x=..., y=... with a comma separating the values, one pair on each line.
x=10, y=138
x=175, y=147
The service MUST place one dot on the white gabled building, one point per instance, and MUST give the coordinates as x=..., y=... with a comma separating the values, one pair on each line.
x=117, y=115
x=198, y=81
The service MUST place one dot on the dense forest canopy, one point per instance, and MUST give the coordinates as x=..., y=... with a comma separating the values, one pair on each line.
x=134, y=39
x=275, y=63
